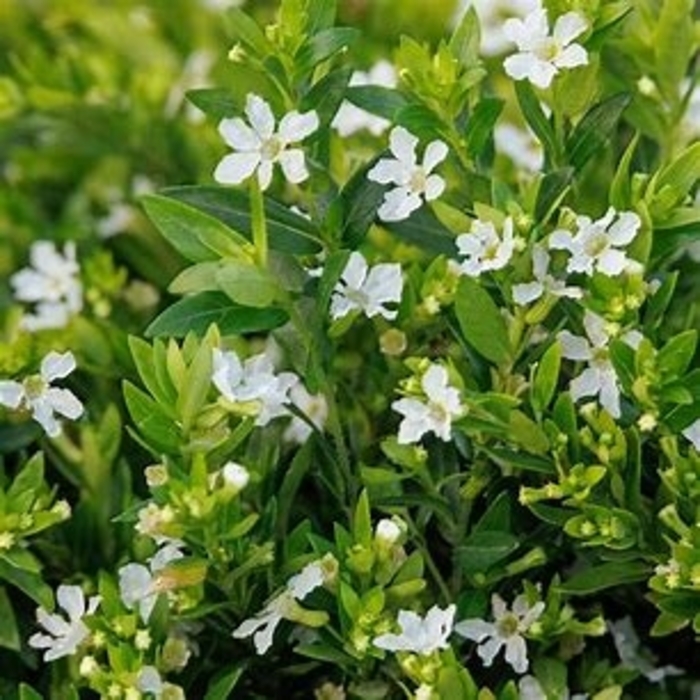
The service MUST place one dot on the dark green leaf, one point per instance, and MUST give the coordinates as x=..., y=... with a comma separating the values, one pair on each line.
x=535, y=117
x=323, y=45
x=216, y=102
x=481, y=550
x=480, y=124
x=424, y=229
x=598, y=578
x=553, y=188
x=546, y=378
x=382, y=101
x=223, y=683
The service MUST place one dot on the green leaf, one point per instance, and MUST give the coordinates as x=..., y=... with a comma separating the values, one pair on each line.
x=621, y=186
x=215, y=102
x=361, y=198
x=482, y=549
x=197, y=312
x=362, y=522
x=609, y=575
x=247, y=284
x=551, y=191
x=196, y=235
x=481, y=122
x=382, y=101
x=465, y=42
x=143, y=356
x=481, y=322
x=223, y=683
x=424, y=229
x=675, y=356
x=526, y=433
x=287, y=232
x=29, y=479
x=326, y=96
x=29, y=582
x=247, y=31
x=546, y=378
x=323, y=45
x=9, y=634
x=26, y=692
x=595, y=129
x=659, y=301
x=320, y=15
x=152, y=421
x=536, y=119
x=682, y=173
x=673, y=45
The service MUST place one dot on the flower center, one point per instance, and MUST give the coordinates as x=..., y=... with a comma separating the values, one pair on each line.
x=549, y=49
x=596, y=244
x=439, y=412
x=34, y=387
x=508, y=625
x=271, y=148
x=418, y=181
x=357, y=296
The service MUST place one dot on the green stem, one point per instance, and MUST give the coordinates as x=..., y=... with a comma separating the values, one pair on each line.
x=258, y=222
x=429, y=562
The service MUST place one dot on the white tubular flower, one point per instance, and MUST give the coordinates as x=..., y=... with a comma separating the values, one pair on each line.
x=52, y=284
x=483, y=249
x=253, y=381
x=507, y=630
x=432, y=416
x=542, y=56
x=692, y=433
x=596, y=244
x=351, y=119
x=599, y=378
x=257, y=146
x=367, y=289
x=139, y=585
x=262, y=627
x=414, y=182
x=418, y=635
x=64, y=634
x=36, y=394
x=313, y=406
x=544, y=283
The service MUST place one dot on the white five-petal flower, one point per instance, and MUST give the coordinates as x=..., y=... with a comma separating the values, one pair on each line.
x=36, y=394
x=541, y=55
x=64, y=634
x=420, y=635
x=414, y=182
x=599, y=378
x=692, y=433
x=596, y=245
x=367, y=289
x=254, y=381
x=507, y=630
x=544, y=283
x=264, y=624
x=483, y=249
x=51, y=283
x=257, y=146
x=434, y=415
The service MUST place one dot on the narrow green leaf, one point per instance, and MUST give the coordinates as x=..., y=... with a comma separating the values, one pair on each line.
x=482, y=549
x=223, y=684
x=552, y=189
x=609, y=575
x=480, y=124
x=151, y=419
x=323, y=45
x=546, y=378
x=9, y=634
x=536, y=118
x=382, y=101
x=247, y=31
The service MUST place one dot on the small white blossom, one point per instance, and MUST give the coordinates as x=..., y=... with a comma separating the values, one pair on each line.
x=529, y=688
x=351, y=119
x=599, y=378
x=313, y=406
x=596, y=245
x=544, y=283
x=64, y=634
x=264, y=624
x=414, y=182
x=541, y=55
x=692, y=433
x=139, y=585
x=257, y=146
x=506, y=630
x=52, y=284
x=367, y=289
x=483, y=249
x=36, y=394
x=235, y=476
x=420, y=635
x=388, y=531
x=520, y=146
x=253, y=381
x=434, y=415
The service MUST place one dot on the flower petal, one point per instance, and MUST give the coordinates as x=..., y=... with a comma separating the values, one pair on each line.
x=64, y=402
x=296, y=127
x=625, y=228
x=524, y=294
x=516, y=653
x=239, y=135
x=435, y=153
x=72, y=600
x=475, y=629
x=571, y=57
x=260, y=116
x=588, y=383
x=568, y=27
x=11, y=393
x=434, y=187
x=294, y=165
x=56, y=365
x=398, y=204
x=574, y=347
x=236, y=167
x=403, y=145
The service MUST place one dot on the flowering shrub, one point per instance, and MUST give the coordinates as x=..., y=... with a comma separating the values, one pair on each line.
x=397, y=396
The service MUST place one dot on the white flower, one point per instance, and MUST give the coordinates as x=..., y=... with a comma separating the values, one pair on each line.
x=64, y=635
x=542, y=56
x=634, y=656
x=313, y=406
x=36, y=394
x=507, y=630
x=529, y=688
x=264, y=624
x=139, y=585
x=367, y=290
x=544, y=283
x=235, y=476
x=434, y=415
x=599, y=378
x=253, y=381
x=483, y=249
x=418, y=635
x=692, y=433
x=388, y=531
x=520, y=146
x=596, y=244
x=414, y=182
x=351, y=119
x=258, y=147
x=51, y=283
